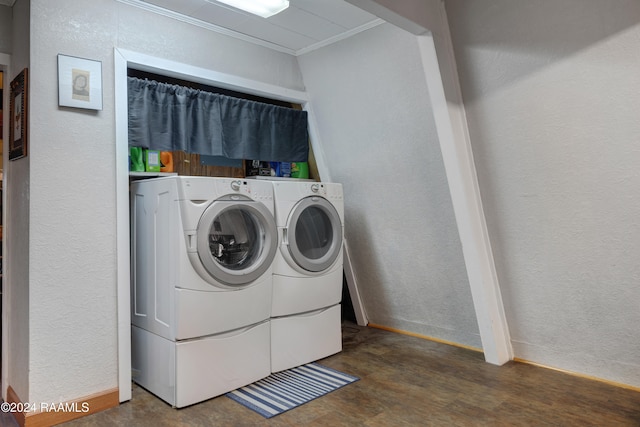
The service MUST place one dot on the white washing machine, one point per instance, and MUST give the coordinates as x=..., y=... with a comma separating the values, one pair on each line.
x=307, y=273
x=202, y=252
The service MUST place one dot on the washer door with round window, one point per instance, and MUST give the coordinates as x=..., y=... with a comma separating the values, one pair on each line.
x=236, y=241
x=314, y=234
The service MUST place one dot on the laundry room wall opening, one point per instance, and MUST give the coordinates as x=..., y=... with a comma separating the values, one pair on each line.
x=124, y=61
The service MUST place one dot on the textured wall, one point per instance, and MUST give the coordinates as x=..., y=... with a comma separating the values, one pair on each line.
x=377, y=131
x=552, y=94
x=162, y=37
x=72, y=249
x=72, y=284
x=5, y=29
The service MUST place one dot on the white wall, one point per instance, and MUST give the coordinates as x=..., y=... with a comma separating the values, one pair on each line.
x=376, y=128
x=72, y=282
x=552, y=94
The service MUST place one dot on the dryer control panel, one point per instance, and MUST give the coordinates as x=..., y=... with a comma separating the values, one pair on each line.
x=329, y=191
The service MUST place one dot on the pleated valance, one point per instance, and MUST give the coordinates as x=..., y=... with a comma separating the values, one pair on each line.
x=169, y=117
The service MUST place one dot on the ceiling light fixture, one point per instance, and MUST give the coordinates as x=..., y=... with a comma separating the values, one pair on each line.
x=263, y=8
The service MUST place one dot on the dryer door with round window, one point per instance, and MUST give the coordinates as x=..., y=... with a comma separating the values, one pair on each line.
x=236, y=240
x=314, y=234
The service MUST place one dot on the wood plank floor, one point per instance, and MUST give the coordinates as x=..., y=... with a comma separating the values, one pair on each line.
x=407, y=381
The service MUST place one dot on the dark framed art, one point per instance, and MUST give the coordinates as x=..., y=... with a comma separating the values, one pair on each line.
x=19, y=112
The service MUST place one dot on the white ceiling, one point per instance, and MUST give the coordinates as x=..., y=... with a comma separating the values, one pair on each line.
x=304, y=26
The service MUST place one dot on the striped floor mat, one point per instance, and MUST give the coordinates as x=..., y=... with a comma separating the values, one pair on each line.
x=285, y=390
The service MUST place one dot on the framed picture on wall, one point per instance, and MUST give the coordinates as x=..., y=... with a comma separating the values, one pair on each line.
x=79, y=83
x=18, y=113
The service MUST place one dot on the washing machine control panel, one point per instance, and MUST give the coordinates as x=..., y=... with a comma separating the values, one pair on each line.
x=257, y=190
x=205, y=189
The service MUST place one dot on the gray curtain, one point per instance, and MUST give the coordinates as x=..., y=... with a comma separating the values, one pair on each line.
x=168, y=117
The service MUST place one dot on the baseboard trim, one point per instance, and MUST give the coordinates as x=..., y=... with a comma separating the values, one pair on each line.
x=12, y=398
x=61, y=412
x=579, y=375
x=425, y=337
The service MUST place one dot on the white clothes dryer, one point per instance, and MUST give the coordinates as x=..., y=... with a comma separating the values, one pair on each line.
x=202, y=252
x=310, y=221
x=307, y=273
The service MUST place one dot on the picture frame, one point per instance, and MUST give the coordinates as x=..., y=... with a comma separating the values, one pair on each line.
x=79, y=82
x=18, y=113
